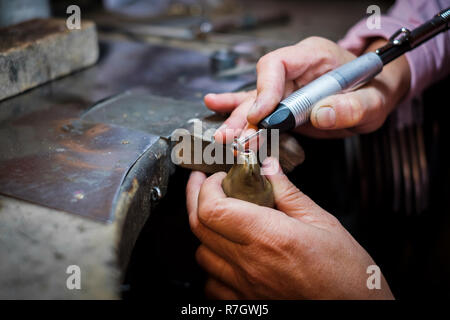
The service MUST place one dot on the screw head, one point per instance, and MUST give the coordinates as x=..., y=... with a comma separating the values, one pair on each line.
x=156, y=194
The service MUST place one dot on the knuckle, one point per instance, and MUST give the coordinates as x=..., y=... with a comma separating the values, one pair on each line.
x=282, y=241
x=314, y=42
x=325, y=53
x=287, y=241
x=278, y=245
x=266, y=59
x=354, y=107
x=200, y=255
x=252, y=275
x=193, y=225
x=305, y=246
x=313, y=39
x=261, y=62
x=379, y=102
x=198, y=230
x=290, y=194
x=353, y=102
x=333, y=221
x=211, y=211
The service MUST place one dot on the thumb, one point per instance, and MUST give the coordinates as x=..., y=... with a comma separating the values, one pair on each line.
x=288, y=198
x=347, y=110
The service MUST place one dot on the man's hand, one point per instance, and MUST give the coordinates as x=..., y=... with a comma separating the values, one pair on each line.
x=287, y=69
x=296, y=252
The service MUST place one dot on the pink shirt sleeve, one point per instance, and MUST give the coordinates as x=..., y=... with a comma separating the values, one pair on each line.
x=429, y=62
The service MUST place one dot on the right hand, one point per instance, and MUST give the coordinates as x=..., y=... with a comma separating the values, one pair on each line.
x=287, y=69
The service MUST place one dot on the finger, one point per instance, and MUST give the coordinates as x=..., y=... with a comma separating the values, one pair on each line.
x=226, y=102
x=285, y=64
x=236, y=122
x=348, y=110
x=216, y=266
x=238, y=221
x=207, y=236
x=254, y=143
x=270, y=85
x=288, y=198
x=215, y=289
x=194, y=184
x=249, y=129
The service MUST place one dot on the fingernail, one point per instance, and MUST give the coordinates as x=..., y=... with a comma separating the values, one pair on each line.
x=326, y=117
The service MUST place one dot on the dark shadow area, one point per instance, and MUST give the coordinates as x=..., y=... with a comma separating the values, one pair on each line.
x=412, y=250
x=162, y=264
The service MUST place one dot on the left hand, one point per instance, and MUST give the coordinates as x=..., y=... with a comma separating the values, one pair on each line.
x=298, y=251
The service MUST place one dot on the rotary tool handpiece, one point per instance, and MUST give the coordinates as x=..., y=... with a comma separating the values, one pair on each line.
x=295, y=110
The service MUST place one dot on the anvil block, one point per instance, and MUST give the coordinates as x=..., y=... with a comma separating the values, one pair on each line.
x=40, y=50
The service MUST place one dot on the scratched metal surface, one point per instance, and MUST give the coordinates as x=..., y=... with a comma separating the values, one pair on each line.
x=146, y=112
x=74, y=166
x=55, y=148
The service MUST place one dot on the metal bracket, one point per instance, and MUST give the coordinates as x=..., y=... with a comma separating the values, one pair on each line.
x=398, y=38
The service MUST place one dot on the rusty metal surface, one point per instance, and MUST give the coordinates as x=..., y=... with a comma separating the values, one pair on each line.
x=149, y=113
x=74, y=166
x=67, y=144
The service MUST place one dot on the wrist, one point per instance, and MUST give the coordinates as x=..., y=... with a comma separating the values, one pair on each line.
x=395, y=77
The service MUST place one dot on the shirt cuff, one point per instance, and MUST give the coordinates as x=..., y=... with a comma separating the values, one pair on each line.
x=358, y=38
